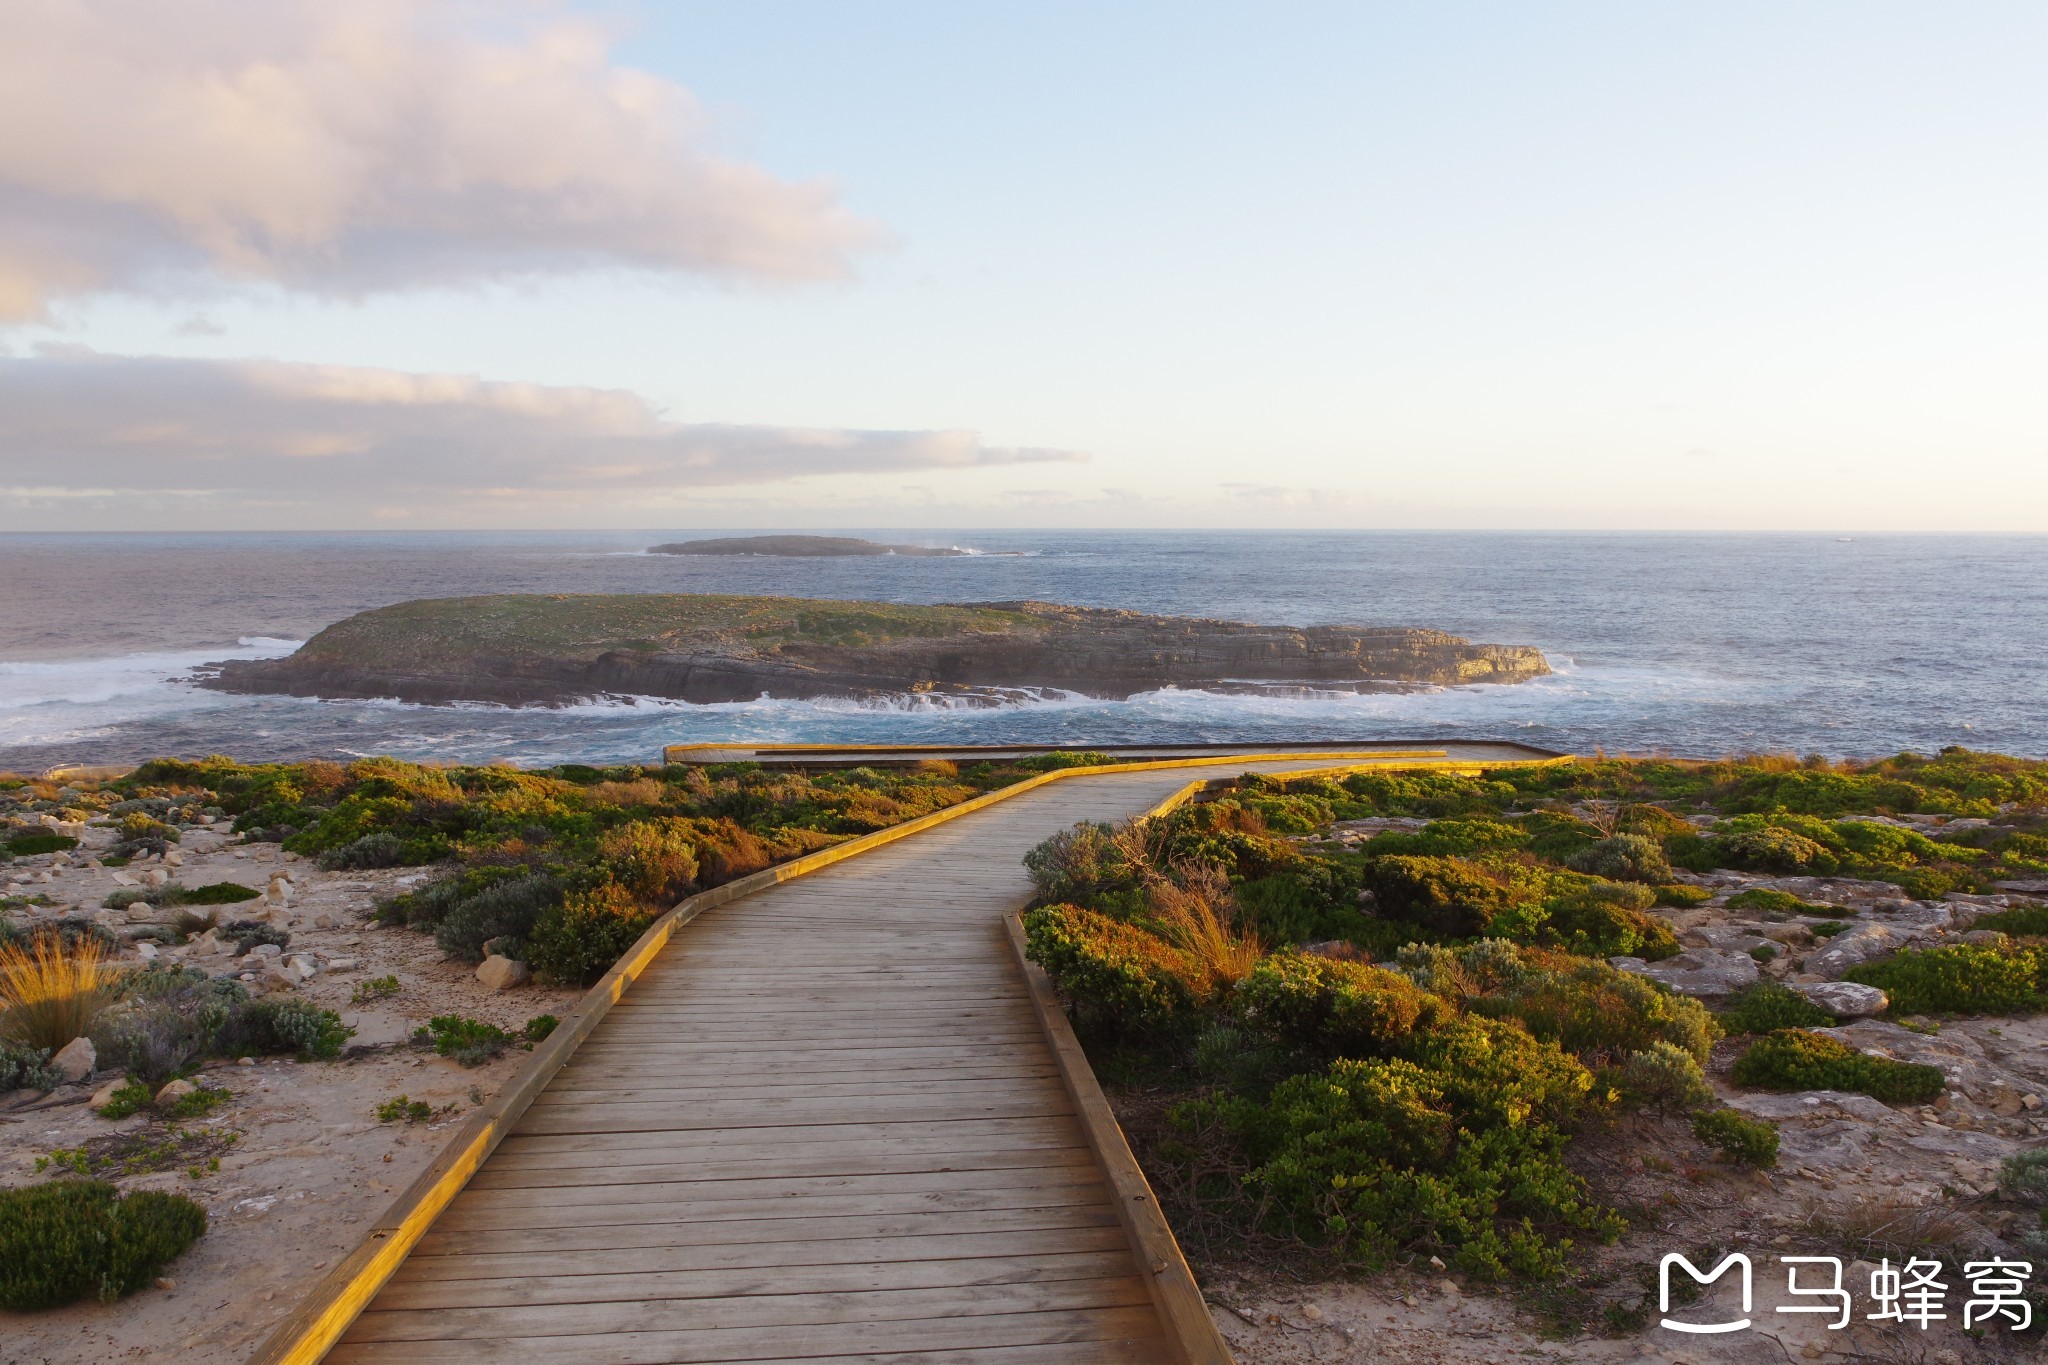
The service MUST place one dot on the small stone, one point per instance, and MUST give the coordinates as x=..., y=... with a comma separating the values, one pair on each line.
x=75, y=1060
x=1436, y=1262
x=1984, y=938
x=173, y=858
x=105, y=1094
x=156, y=876
x=174, y=1091
x=123, y=879
x=147, y=949
x=1846, y=999
x=166, y=1282
x=1311, y=1312
x=2030, y=1102
x=342, y=964
x=503, y=973
x=270, y=950
x=245, y=1061
x=323, y=920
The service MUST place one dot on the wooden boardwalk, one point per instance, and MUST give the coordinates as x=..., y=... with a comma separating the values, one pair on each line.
x=824, y=1124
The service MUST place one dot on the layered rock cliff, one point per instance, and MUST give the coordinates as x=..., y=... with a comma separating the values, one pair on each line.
x=521, y=650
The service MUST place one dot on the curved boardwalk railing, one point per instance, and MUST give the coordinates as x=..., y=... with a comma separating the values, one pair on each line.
x=834, y=1118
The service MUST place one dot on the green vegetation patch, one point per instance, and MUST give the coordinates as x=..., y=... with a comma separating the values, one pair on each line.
x=1767, y=1007
x=1962, y=979
x=67, y=1240
x=28, y=845
x=1795, y=1059
x=1753, y=1142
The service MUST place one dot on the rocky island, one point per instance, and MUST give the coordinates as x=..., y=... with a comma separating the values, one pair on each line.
x=802, y=547
x=557, y=649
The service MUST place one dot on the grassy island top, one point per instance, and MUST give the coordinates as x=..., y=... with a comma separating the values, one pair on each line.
x=453, y=628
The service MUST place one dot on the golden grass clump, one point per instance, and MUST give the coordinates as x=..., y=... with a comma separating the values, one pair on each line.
x=50, y=993
x=1199, y=916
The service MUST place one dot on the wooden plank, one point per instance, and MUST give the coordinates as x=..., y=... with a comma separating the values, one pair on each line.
x=1129, y=1327
x=542, y=1322
x=494, y=1213
x=640, y=1283
x=766, y=1255
x=657, y=1166
x=449, y=1242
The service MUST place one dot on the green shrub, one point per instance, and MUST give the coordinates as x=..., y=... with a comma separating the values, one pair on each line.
x=29, y=845
x=404, y=1109
x=1623, y=857
x=656, y=860
x=1963, y=979
x=1753, y=1142
x=1767, y=1007
x=290, y=1025
x=1764, y=952
x=132, y=1098
x=1450, y=838
x=1075, y=865
x=1335, y=1008
x=578, y=940
x=252, y=933
x=1794, y=1059
x=1458, y=897
x=1115, y=977
x=503, y=909
x=1665, y=1077
x=1455, y=1149
x=1772, y=849
x=2026, y=921
x=471, y=1042
x=539, y=1027
x=374, y=989
x=1683, y=895
x=25, y=1067
x=1828, y=928
x=213, y=893
x=1774, y=902
x=67, y=1239
x=1309, y=903
x=381, y=849
x=1606, y=919
x=168, y=1019
x=1064, y=758
x=1595, y=1012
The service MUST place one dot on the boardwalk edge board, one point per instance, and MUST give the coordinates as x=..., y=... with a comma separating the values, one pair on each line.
x=1183, y=1313
x=321, y=1318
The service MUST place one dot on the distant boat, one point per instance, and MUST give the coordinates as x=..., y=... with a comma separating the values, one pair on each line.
x=1845, y=540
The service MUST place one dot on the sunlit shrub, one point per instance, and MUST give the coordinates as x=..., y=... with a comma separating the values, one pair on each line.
x=1794, y=1059
x=1330, y=1007
x=1117, y=978
x=578, y=939
x=1961, y=979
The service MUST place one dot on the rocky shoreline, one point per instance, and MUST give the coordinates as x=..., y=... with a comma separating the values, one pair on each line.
x=558, y=650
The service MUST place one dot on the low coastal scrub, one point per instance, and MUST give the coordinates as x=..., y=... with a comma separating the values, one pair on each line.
x=66, y=1240
x=1767, y=1007
x=1961, y=979
x=1753, y=1142
x=562, y=868
x=170, y=1018
x=1795, y=1059
x=1381, y=1042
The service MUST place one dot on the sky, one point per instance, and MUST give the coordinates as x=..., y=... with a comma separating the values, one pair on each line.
x=415, y=263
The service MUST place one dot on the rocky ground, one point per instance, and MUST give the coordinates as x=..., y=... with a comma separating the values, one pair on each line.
x=303, y=1162
x=1856, y=1179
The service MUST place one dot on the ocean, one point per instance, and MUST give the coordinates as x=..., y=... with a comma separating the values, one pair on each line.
x=1689, y=644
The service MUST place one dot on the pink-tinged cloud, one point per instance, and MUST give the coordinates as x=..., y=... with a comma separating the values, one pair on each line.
x=344, y=147
x=239, y=431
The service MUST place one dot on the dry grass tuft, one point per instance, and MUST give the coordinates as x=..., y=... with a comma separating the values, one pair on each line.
x=50, y=994
x=641, y=791
x=1198, y=915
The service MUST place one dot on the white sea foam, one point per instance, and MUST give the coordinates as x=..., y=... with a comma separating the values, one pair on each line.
x=54, y=701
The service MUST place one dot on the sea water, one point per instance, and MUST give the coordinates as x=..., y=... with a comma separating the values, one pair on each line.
x=1691, y=644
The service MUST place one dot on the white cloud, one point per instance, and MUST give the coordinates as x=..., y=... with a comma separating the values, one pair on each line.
x=345, y=148
x=348, y=443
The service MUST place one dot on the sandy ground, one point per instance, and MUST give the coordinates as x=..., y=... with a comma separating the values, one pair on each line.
x=311, y=1164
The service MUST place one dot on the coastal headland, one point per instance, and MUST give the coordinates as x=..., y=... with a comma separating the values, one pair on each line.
x=557, y=649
